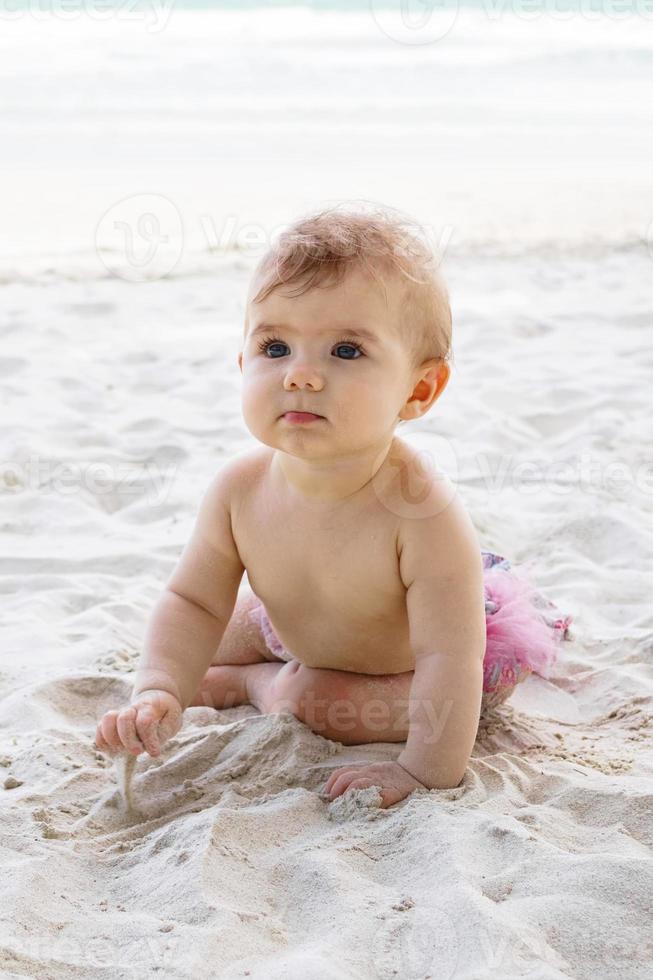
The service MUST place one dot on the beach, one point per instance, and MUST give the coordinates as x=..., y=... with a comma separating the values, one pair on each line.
x=144, y=173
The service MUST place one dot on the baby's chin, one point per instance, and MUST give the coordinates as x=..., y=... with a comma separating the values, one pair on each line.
x=326, y=434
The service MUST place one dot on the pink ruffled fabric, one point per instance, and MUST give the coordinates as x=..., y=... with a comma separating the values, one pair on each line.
x=524, y=629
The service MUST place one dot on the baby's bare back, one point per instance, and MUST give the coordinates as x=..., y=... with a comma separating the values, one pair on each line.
x=329, y=578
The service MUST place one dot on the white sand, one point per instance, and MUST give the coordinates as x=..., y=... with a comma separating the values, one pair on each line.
x=232, y=862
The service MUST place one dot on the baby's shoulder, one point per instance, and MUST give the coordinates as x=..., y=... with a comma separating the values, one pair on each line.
x=245, y=469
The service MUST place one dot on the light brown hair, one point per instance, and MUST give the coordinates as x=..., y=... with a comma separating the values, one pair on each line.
x=318, y=249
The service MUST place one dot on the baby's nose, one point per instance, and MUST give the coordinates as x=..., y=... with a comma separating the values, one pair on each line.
x=302, y=375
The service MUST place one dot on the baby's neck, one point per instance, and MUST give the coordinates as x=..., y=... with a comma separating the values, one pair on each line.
x=328, y=482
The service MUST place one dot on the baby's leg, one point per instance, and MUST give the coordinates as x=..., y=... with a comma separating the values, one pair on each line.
x=242, y=644
x=348, y=707
x=342, y=705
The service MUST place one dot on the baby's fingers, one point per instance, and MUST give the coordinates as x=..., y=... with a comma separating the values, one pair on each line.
x=101, y=742
x=106, y=736
x=126, y=724
x=148, y=729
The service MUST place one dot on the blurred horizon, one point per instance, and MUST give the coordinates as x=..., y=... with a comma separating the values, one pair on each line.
x=503, y=133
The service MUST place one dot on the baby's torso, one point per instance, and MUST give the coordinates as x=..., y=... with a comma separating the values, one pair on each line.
x=330, y=583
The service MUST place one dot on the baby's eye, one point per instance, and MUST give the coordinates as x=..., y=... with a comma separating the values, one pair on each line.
x=354, y=347
x=265, y=345
x=268, y=343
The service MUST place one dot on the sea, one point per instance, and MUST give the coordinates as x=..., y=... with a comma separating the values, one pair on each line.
x=198, y=129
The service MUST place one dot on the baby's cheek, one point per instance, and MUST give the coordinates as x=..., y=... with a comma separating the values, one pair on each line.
x=257, y=415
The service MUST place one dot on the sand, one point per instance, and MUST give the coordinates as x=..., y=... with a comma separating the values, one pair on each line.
x=230, y=861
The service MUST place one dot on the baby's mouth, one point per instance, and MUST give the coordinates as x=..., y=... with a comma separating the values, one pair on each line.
x=302, y=411
x=297, y=416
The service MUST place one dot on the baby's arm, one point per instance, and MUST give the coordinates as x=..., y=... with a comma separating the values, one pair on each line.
x=441, y=566
x=190, y=617
x=184, y=629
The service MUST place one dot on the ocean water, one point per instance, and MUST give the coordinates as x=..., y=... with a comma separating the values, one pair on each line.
x=216, y=123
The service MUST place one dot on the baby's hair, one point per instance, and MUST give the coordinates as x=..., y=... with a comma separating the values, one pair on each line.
x=318, y=249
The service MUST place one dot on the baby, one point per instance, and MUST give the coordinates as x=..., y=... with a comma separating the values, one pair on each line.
x=368, y=612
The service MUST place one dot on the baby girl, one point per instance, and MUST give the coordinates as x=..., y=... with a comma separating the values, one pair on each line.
x=372, y=613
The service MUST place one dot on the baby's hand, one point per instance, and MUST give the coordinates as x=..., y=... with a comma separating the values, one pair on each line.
x=150, y=720
x=393, y=782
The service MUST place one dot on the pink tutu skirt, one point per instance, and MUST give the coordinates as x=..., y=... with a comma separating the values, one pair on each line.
x=524, y=630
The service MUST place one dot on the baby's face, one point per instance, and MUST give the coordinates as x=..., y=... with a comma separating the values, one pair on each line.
x=299, y=355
